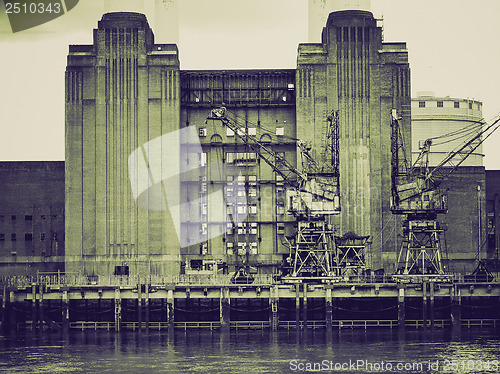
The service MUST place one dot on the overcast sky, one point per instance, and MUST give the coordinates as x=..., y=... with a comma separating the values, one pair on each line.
x=453, y=45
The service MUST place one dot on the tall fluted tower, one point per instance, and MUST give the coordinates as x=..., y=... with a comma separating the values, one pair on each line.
x=353, y=71
x=121, y=92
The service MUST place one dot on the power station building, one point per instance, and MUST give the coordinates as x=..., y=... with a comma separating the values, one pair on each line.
x=153, y=185
x=124, y=91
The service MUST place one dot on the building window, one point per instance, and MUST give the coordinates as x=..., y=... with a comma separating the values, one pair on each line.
x=439, y=104
x=252, y=131
x=252, y=209
x=470, y=105
x=28, y=237
x=13, y=237
x=204, y=248
x=229, y=132
x=2, y=237
x=456, y=104
x=252, y=191
x=241, y=228
x=13, y=217
x=242, y=248
x=202, y=159
x=229, y=248
x=202, y=132
x=253, y=228
x=42, y=236
x=253, y=248
x=421, y=104
x=241, y=158
x=280, y=131
x=28, y=217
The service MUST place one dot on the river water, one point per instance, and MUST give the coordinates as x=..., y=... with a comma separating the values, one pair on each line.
x=345, y=351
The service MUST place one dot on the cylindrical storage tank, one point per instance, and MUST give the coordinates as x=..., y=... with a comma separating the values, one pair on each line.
x=448, y=122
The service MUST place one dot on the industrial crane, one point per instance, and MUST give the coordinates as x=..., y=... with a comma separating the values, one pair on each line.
x=416, y=195
x=313, y=196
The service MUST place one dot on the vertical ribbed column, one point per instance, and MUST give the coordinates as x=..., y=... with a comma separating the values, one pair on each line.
x=101, y=166
x=353, y=96
x=143, y=137
x=170, y=121
x=73, y=171
x=121, y=140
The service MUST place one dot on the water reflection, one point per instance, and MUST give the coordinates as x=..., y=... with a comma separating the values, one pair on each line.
x=246, y=351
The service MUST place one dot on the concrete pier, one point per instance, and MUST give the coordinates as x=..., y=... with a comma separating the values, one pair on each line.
x=271, y=306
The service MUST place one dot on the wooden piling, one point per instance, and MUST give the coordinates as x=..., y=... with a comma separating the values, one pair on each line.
x=329, y=309
x=456, y=309
x=274, y=297
x=65, y=309
x=118, y=310
x=170, y=307
x=424, y=305
x=431, y=304
x=225, y=318
x=139, y=306
x=297, y=306
x=401, y=307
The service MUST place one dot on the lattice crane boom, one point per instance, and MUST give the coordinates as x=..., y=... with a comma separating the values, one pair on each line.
x=415, y=193
x=310, y=194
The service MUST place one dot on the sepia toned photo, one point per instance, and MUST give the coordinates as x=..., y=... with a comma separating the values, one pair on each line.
x=234, y=186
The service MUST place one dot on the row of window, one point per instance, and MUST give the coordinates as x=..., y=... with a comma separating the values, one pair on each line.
x=242, y=248
x=440, y=104
x=28, y=237
x=280, y=131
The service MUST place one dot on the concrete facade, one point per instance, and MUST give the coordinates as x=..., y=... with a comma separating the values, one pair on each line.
x=465, y=222
x=355, y=72
x=31, y=217
x=262, y=102
x=492, y=239
x=121, y=92
x=124, y=91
